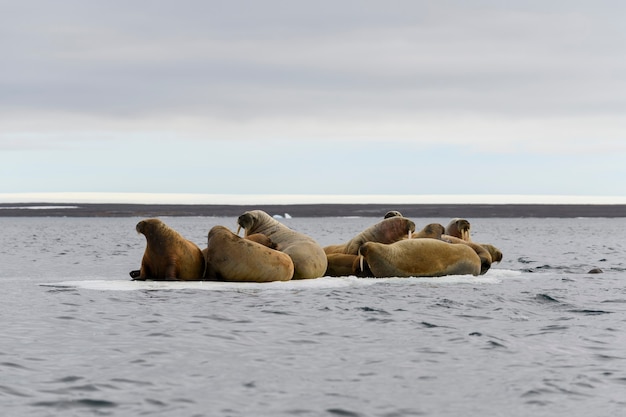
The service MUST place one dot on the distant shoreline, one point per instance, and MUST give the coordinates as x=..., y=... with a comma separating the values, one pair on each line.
x=314, y=210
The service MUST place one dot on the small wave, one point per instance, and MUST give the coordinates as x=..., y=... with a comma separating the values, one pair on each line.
x=132, y=382
x=372, y=310
x=589, y=312
x=82, y=403
x=545, y=298
x=5, y=390
x=342, y=412
x=12, y=365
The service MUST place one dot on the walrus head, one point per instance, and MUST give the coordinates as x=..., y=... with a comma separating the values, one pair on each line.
x=459, y=228
x=246, y=220
x=218, y=230
x=496, y=254
x=432, y=230
x=392, y=213
x=363, y=267
x=393, y=228
x=146, y=225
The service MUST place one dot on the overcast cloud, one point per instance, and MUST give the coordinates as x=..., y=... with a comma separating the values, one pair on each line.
x=453, y=97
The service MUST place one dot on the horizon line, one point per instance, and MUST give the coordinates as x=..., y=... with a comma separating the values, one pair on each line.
x=281, y=199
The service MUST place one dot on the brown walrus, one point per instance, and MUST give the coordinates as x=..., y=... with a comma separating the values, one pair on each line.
x=393, y=213
x=388, y=230
x=232, y=258
x=342, y=265
x=419, y=258
x=308, y=257
x=432, y=230
x=481, y=251
x=496, y=254
x=459, y=228
x=262, y=239
x=168, y=255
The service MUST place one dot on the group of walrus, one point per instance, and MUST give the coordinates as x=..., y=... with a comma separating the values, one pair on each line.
x=271, y=251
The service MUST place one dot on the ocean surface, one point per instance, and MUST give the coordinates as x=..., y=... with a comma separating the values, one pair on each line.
x=537, y=335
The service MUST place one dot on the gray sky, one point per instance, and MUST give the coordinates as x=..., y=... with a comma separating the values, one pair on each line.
x=328, y=97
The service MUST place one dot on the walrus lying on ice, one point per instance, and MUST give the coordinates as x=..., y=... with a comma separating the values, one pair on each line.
x=308, y=257
x=233, y=258
x=420, y=258
x=460, y=228
x=343, y=259
x=388, y=230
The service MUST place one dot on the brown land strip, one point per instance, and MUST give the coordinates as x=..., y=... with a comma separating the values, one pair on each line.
x=317, y=210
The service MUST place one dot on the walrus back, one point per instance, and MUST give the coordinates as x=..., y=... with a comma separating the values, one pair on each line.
x=232, y=258
x=308, y=257
x=389, y=230
x=420, y=258
x=168, y=255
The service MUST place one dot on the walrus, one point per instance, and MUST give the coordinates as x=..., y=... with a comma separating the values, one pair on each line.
x=342, y=265
x=232, y=258
x=459, y=228
x=496, y=254
x=481, y=251
x=419, y=258
x=393, y=213
x=388, y=230
x=308, y=257
x=432, y=230
x=262, y=239
x=168, y=255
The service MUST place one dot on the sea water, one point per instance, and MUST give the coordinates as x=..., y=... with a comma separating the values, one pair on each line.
x=537, y=335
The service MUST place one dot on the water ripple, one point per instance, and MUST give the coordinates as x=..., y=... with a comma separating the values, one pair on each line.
x=12, y=392
x=132, y=382
x=342, y=413
x=589, y=312
x=13, y=365
x=81, y=403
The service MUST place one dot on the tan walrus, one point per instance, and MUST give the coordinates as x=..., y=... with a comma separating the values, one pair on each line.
x=342, y=265
x=460, y=228
x=388, y=230
x=308, y=257
x=168, y=255
x=481, y=251
x=420, y=258
x=232, y=258
x=496, y=254
x=432, y=230
x=261, y=239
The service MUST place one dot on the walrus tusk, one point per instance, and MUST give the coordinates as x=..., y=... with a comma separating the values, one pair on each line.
x=361, y=262
x=409, y=234
x=238, y=229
